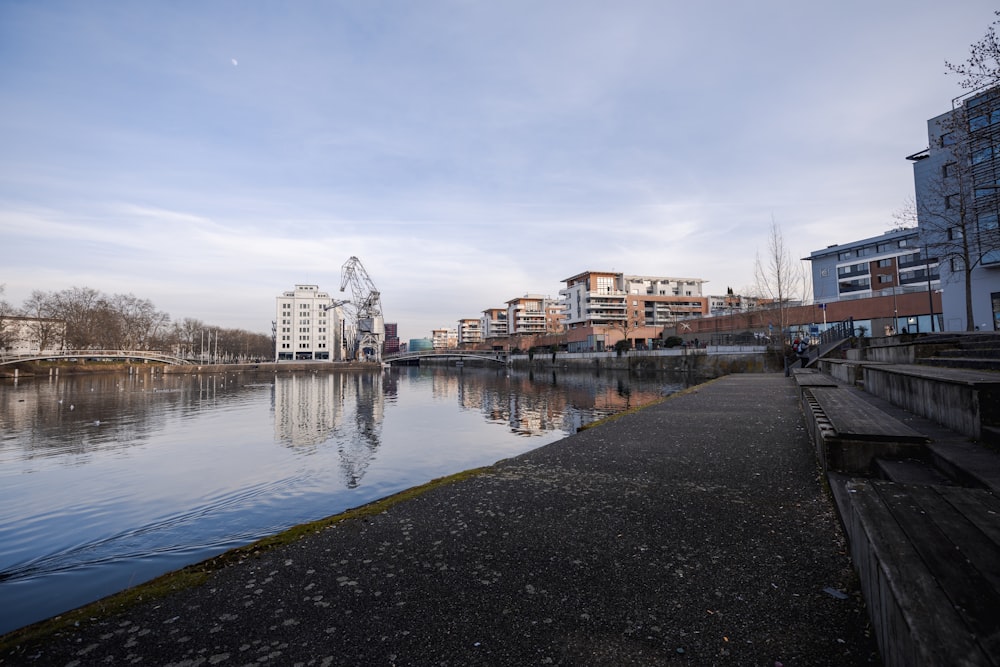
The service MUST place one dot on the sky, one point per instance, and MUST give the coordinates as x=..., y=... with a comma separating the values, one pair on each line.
x=209, y=156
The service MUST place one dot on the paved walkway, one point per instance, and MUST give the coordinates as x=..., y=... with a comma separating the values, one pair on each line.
x=696, y=531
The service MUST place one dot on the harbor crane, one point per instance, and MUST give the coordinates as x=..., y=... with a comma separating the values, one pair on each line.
x=365, y=331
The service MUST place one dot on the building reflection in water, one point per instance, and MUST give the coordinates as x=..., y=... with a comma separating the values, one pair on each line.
x=347, y=408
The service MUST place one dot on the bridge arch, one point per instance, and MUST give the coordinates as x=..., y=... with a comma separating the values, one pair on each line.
x=145, y=355
x=493, y=357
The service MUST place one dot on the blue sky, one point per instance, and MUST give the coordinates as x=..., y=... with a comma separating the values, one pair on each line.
x=210, y=155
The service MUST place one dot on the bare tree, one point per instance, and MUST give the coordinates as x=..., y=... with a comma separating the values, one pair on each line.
x=185, y=336
x=778, y=277
x=136, y=321
x=982, y=68
x=77, y=306
x=45, y=326
x=6, y=311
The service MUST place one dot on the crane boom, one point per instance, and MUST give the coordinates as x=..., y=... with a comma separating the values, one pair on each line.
x=368, y=324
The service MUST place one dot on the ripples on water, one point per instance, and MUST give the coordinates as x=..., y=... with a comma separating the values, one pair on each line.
x=107, y=481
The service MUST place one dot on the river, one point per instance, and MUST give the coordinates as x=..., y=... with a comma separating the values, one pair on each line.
x=107, y=481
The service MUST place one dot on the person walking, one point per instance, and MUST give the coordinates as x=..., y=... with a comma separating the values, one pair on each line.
x=801, y=349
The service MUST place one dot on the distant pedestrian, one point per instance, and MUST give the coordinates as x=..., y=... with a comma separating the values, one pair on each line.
x=801, y=349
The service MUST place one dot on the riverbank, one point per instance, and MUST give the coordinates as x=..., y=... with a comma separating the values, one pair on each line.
x=696, y=529
x=66, y=367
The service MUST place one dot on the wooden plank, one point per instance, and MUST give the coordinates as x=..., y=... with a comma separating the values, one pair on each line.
x=980, y=378
x=811, y=378
x=915, y=621
x=855, y=418
x=980, y=507
x=966, y=538
x=970, y=594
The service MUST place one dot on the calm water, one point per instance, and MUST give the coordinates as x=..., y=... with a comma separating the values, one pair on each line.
x=108, y=481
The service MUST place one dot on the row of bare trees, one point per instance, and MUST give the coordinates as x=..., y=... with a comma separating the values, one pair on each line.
x=94, y=320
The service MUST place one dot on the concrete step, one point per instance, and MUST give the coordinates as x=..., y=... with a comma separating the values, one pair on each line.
x=971, y=363
x=963, y=400
x=986, y=350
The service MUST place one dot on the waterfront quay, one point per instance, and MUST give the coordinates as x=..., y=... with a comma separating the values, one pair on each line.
x=693, y=531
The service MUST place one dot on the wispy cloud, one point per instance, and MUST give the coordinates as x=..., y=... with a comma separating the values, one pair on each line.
x=468, y=153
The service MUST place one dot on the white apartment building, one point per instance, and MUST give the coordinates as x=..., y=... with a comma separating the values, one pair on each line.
x=493, y=323
x=533, y=314
x=470, y=331
x=444, y=339
x=307, y=326
x=31, y=335
x=727, y=304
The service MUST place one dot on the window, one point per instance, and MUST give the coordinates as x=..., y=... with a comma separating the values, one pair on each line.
x=982, y=155
x=978, y=122
x=884, y=263
x=948, y=170
x=955, y=233
x=847, y=254
x=885, y=278
x=986, y=189
x=947, y=139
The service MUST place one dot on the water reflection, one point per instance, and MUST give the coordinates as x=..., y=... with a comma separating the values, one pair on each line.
x=109, y=480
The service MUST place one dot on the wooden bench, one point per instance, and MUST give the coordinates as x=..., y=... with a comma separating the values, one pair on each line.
x=810, y=377
x=850, y=433
x=927, y=559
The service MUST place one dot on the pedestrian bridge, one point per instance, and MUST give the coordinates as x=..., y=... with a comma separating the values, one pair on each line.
x=498, y=357
x=95, y=355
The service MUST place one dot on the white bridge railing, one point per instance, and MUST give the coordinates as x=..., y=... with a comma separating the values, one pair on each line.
x=148, y=355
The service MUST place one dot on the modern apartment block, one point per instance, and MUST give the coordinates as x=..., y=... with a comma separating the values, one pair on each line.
x=493, y=323
x=307, y=326
x=731, y=303
x=602, y=307
x=893, y=263
x=598, y=298
x=957, y=184
x=533, y=314
x=470, y=331
x=444, y=339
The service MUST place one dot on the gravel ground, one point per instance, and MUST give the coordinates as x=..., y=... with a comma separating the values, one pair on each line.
x=695, y=531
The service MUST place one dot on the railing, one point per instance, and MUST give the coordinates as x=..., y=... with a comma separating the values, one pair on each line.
x=148, y=355
x=838, y=331
x=498, y=356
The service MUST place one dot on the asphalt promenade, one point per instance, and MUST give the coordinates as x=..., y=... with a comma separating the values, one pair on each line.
x=695, y=531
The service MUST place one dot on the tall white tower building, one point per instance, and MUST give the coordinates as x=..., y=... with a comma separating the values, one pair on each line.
x=307, y=326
